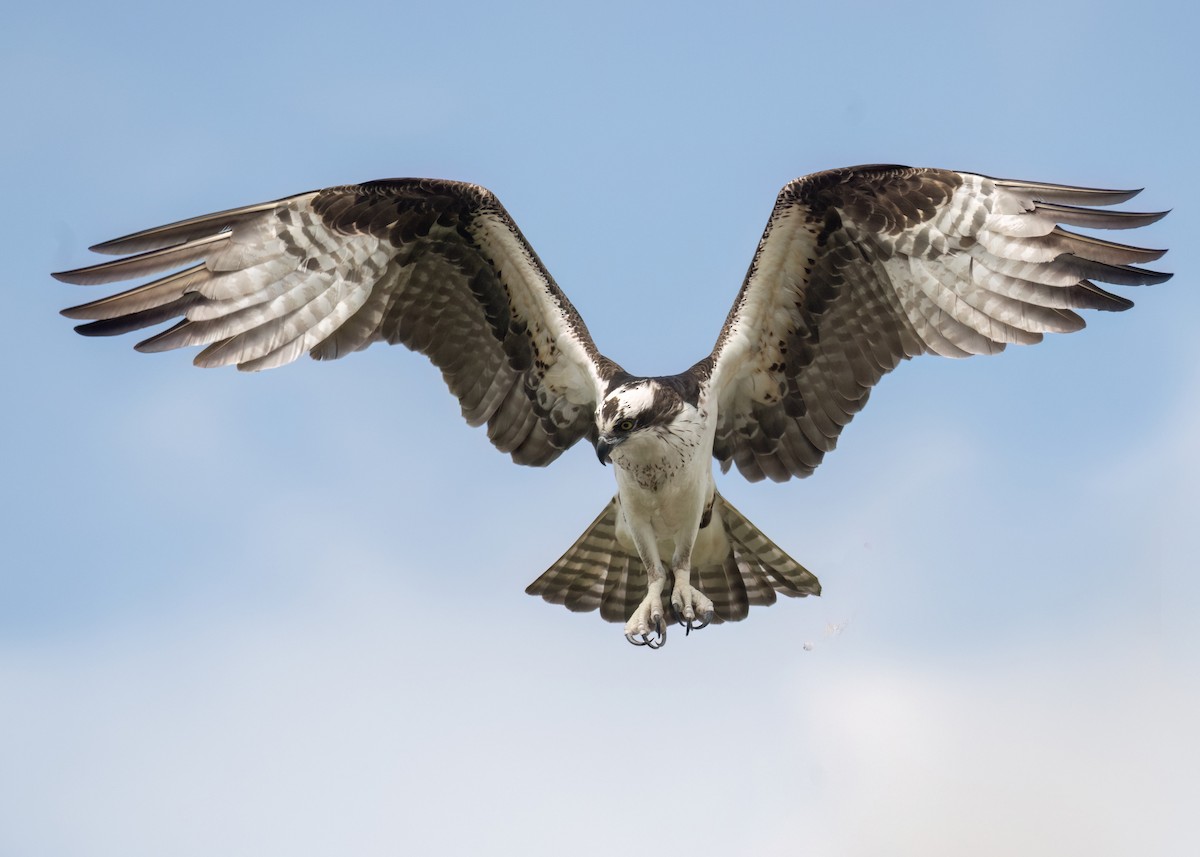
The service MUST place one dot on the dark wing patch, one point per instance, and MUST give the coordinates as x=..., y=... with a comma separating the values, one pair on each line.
x=437, y=266
x=863, y=267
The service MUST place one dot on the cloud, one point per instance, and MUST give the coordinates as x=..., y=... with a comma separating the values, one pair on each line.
x=1040, y=752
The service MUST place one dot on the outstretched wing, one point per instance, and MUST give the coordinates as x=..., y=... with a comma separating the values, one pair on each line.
x=436, y=265
x=862, y=267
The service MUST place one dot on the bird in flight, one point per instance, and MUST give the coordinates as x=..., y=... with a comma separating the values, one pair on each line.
x=857, y=269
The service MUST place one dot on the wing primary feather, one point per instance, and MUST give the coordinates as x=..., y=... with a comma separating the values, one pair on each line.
x=164, y=340
x=1099, y=250
x=154, y=294
x=1090, y=218
x=1102, y=300
x=185, y=230
x=1068, y=194
x=1119, y=275
x=137, y=320
x=152, y=262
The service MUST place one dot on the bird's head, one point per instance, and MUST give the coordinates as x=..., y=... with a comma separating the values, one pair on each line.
x=633, y=413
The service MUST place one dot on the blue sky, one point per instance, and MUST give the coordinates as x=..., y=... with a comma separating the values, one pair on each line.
x=284, y=613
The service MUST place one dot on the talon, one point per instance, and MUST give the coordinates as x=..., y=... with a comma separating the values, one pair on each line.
x=708, y=617
x=655, y=642
x=648, y=624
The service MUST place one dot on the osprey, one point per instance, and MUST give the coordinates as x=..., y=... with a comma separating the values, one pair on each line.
x=857, y=269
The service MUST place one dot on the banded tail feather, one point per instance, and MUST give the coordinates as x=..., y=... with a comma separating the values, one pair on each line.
x=734, y=564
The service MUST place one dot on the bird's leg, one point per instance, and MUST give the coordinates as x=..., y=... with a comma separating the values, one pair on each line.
x=647, y=627
x=689, y=602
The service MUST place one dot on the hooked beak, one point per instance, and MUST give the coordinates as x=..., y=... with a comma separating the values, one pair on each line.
x=604, y=446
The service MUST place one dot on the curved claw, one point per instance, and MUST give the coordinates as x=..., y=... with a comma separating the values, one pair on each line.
x=691, y=626
x=655, y=639
x=682, y=621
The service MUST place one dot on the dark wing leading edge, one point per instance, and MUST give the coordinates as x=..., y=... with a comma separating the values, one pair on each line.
x=863, y=267
x=436, y=265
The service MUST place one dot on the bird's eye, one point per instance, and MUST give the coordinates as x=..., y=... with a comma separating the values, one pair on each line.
x=625, y=425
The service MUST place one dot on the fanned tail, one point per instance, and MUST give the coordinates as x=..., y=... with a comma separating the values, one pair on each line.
x=753, y=570
x=734, y=564
x=596, y=572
